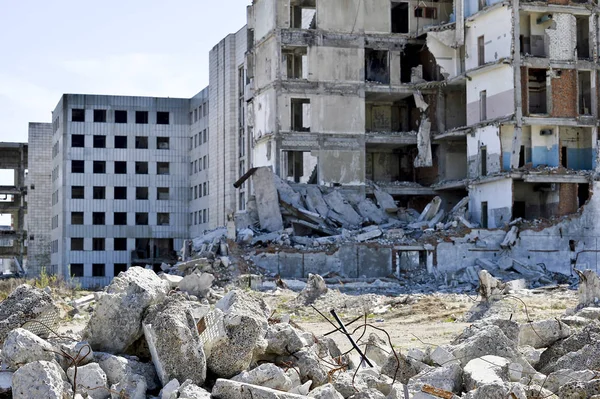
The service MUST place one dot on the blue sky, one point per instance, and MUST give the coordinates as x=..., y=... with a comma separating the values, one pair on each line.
x=131, y=47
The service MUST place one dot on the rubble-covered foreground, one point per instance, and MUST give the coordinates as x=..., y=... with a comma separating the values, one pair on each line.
x=151, y=336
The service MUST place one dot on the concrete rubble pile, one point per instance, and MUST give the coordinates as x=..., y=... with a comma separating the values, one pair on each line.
x=146, y=340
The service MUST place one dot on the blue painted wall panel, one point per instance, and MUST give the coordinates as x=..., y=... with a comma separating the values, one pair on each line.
x=545, y=156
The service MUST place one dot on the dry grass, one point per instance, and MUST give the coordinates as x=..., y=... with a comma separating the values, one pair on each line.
x=58, y=285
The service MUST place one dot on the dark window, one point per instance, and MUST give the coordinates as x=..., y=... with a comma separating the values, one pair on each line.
x=77, y=166
x=76, y=244
x=141, y=193
x=120, y=218
x=162, y=193
x=480, y=50
x=141, y=218
x=98, y=270
x=141, y=117
x=120, y=167
x=98, y=218
x=162, y=168
x=99, y=192
x=76, y=217
x=120, y=193
x=141, y=168
x=120, y=267
x=77, y=192
x=99, y=141
x=76, y=269
x=98, y=244
x=120, y=141
x=400, y=17
x=162, y=143
x=77, y=140
x=78, y=115
x=99, y=166
x=162, y=118
x=120, y=244
x=300, y=115
x=162, y=219
x=484, y=215
x=99, y=115
x=120, y=116
x=141, y=142
x=426, y=12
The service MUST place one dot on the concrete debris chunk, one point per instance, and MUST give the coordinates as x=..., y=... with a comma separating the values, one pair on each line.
x=189, y=390
x=172, y=336
x=6, y=384
x=267, y=200
x=80, y=350
x=369, y=393
x=485, y=370
x=561, y=377
x=487, y=340
x=341, y=211
x=510, y=239
x=541, y=334
x=401, y=368
x=490, y=288
x=118, y=368
x=579, y=389
x=369, y=235
x=586, y=358
x=266, y=375
x=326, y=391
x=315, y=287
x=310, y=366
x=40, y=379
x=228, y=389
x=370, y=212
x=448, y=378
x=91, y=380
x=170, y=389
x=283, y=339
x=424, y=158
x=197, y=283
x=430, y=210
x=498, y=390
x=378, y=349
x=315, y=202
x=172, y=279
x=385, y=201
x=133, y=386
x=22, y=347
x=24, y=304
x=548, y=359
x=117, y=321
x=589, y=288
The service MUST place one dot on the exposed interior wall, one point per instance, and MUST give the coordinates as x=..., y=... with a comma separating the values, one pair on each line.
x=533, y=201
x=383, y=166
x=499, y=88
x=341, y=167
x=266, y=63
x=334, y=64
x=452, y=156
x=497, y=39
x=487, y=137
x=564, y=93
x=264, y=17
x=578, y=147
x=498, y=195
x=455, y=109
x=439, y=43
x=506, y=140
x=561, y=37
x=544, y=143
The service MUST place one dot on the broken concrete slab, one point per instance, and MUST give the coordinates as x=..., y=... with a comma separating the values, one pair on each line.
x=430, y=210
x=485, y=370
x=267, y=200
x=197, y=283
x=133, y=386
x=385, y=201
x=588, y=335
x=266, y=375
x=22, y=347
x=490, y=288
x=400, y=368
x=91, y=381
x=283, y=339
x=228, y=389
x=189, y=390
x=542, y=334
x=40, y=379
x=326, y=391
x=370, y=212
x=589, y=288
x=172, y=279
x=117, y=368
x=341, y=211
x=369, y=235
x=561, y=377
x=117, y=320
x=510, y=239
x=315, y=202
x=315, y=287
x=437, y=218
x=424, y=158
x=378, y=350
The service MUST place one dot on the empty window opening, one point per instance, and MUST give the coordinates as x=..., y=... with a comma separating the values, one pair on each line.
x=98, y=244
x=99, y=141
x=141, y=142
x=98, y=270
x=77, y=244
x=99, y=192
x=522, y=157
x=120, y=219
x=426, y=12
x=120, y=193
x=77, y=166
x=141, y=117
x=120, y=116
x=301, y=167
x=162, y=118
x=301, y=114
x=295, y=61
x=572, y=245
x=76, y=269
x=583, y=37
x=304, y=14
x=537, y=91
x=98, y=218
x=585, y=92
x=99, y=115
x=119, y=268
x=400, y=17
x=141, y=168
x=162, y=143
x=120, y=244
x=77, y=140
x=162, y=168
x=78, y=115
x=564, y=157
x=76, y=218
x=120, y=167
x=483, y=105
x=141, y=193
x=483, y=151
x=377, y=66
x=77, y=192
x=583, y=193
x=141, y=219
x=480, y=50
x=120, y=141
x=417, y=64
x=484, y=215
x=99, y=166
x=519, y=210
x=162, y=219
x=162, y=193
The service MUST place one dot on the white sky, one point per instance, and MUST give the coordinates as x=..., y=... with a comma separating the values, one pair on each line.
x=128, y=47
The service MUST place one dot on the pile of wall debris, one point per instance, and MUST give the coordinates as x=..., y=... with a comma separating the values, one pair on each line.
x=151, y=337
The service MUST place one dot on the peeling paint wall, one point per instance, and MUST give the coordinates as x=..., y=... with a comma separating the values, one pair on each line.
x=488, y=136
x=452, y=165
x=264, y=14
x=342, y=167
x=499, y=197
x=544, y=146
x=349, y=64
x=446, y=57
x=506, y=139
x=578, y=143
x=497, y=38
x=499, y=89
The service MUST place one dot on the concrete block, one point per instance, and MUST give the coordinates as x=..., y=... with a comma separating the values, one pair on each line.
x=375, y=261
x=228, y=389
x=315, y=263
x=291, y=264
x=347, y=259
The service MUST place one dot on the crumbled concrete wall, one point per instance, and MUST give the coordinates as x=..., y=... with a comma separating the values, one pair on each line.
x=561, y=37
x=564, y=93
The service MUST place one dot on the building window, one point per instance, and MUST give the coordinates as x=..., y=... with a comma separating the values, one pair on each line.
x=141, y=117
x=98, y=270
x=76, y=269
x=191, y=142
x=162, y=118
x=162, y=143
x=98, y=244
x=242, y=205
x=99, y=192
x=162, y=168
x=426, y=12
x=141, y=218
x=77, y=140
x=141, y=193
x=77, y=192
x=76, y=218
x=377, y=66
x=480, y=50
x=162, y=193
x=205, y=162
x=300, y=114
x=196, y=169
x=141, y=168
x=120, y=167
x=120, y=219
x=78, y=115
x=77, y=244
x=99, y=166
x=162, y=219
x=98, y=218
x=141, y=142
x=120, y=141
x=120, y=244
x=205, y=135
x=195, y=192
x=119, y=268
x=120, y=193
x=204, y=188
x=99, y=141
x=120, y=116
x=294, y=61
x=199, y=186
x=482, y=105
x=204, y=219
x=77, y=166
x=99, y=115
x=400, y=17
x=303, y=15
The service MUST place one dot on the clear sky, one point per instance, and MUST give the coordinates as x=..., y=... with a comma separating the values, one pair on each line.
x=128, y=47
